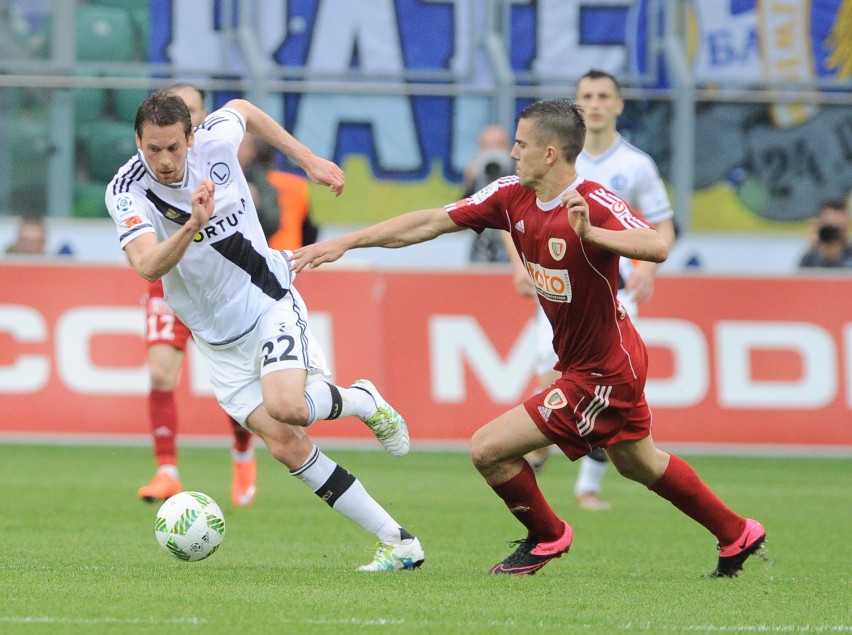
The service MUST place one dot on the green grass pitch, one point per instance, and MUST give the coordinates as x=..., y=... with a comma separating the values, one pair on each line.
x=79, y=554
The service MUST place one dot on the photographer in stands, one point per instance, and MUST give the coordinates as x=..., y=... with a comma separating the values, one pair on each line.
x=492, y=161
x=830, y=247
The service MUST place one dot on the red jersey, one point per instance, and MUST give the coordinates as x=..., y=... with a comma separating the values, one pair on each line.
x=577, y=282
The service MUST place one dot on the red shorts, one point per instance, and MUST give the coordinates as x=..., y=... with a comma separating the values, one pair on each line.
x=162, y=326
x=579, y=413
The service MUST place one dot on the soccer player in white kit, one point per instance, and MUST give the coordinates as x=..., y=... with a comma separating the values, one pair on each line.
x=622, y=168
x=184, y=214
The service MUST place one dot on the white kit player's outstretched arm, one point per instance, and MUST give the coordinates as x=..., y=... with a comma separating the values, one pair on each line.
x=259, y=123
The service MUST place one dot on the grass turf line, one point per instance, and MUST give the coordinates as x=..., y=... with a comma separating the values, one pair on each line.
x=79, y=553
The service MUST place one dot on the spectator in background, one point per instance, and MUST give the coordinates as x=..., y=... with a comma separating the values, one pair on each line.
x=166, y=339
x=262, y=193
x=492, y=161
x=296, y=226
x=830, y=247
x=31, y=239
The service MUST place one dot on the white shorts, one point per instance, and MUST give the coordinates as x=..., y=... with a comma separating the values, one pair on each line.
x=280, y=340
x=545, y=358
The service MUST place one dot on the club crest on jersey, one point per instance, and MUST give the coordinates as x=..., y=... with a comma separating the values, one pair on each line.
x=220, y=173
x=618, y=183
x=557, y=247
x=555, y=399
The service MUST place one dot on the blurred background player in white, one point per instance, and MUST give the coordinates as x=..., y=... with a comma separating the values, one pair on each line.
x=607, y=158
x=236, y=296
x=166, y=339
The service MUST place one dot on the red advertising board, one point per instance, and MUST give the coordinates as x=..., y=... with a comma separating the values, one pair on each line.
x=763, y=361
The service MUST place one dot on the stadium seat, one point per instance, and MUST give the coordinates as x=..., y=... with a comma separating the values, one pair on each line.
x=89, y=200
x=104, y=34
x=29, y=150
x=106, y=146
x=124, y=4
x=125, y=102
x=12, y=97
x=88, y=104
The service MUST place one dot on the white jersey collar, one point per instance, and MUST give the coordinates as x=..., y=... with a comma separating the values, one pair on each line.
x=606, y=153
x=547, y=206
x=172, y=186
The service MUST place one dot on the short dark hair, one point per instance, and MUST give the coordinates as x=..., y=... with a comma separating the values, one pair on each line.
x=163, y=108
x=833, y=203
x=179, y=85
x=598, y=74
x=559, y=118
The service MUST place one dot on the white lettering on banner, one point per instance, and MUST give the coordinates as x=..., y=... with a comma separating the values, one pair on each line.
x=340, y=28
x=817, y=386
x=559, y=39
x=389, y=118
x=75, y=330
x=197, y=42
x=690, y=378
x=728, y=47
x=344, y=27
x=28, y=373
x=459, y=341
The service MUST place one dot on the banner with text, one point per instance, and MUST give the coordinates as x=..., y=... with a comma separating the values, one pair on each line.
x=733, y=360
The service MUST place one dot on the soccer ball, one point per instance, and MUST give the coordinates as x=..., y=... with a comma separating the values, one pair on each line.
x=190, y=526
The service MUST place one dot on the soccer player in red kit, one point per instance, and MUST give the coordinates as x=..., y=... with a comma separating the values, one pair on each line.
x=570, y=234
x=166, y=337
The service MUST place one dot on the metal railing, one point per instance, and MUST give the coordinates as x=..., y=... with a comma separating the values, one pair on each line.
x=57, y=74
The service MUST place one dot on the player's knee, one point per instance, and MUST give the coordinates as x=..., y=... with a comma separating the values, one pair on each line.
x=634, y=470
x=286, y=446
x=287, y=410
x=480, y=454
x=162, y=380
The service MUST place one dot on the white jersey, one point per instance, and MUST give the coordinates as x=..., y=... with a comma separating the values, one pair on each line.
x=627, y=171
x=229, y=276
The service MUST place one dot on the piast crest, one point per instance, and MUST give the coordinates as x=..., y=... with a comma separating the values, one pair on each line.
x=557, y=248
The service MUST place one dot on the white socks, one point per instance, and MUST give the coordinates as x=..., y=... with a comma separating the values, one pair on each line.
x=327, y=401
x=346, y=495
x=590, y=477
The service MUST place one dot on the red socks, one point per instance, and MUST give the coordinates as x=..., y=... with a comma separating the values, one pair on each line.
x=242, y=437
x=682, y=487
x=525, y=500
x=162, y=413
